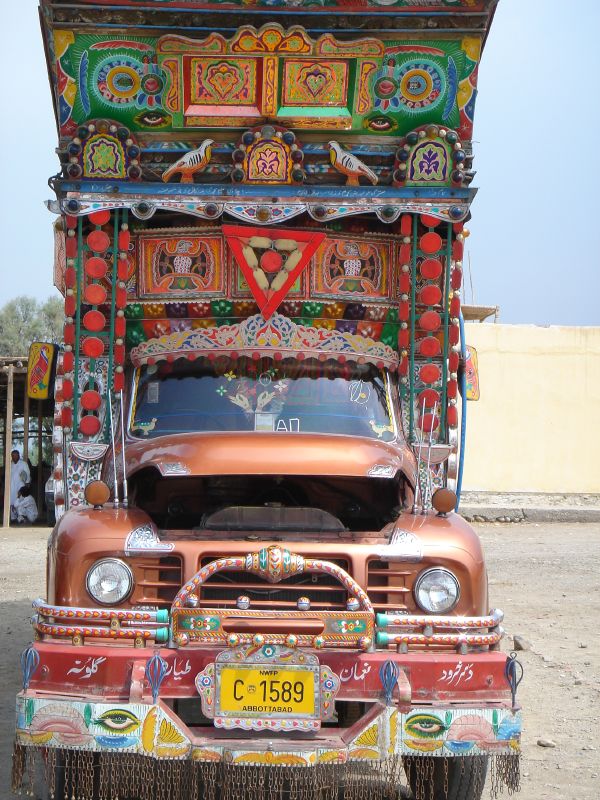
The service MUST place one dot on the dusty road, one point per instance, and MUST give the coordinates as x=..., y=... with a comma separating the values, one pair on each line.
x=545, y=577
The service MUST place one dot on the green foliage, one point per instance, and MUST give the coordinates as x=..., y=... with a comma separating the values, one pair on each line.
x=25, y=320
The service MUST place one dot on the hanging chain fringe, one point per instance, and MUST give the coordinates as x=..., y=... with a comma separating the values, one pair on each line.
x=83, y=775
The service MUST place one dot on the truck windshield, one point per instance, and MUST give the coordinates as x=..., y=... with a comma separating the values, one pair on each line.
x=287, y=396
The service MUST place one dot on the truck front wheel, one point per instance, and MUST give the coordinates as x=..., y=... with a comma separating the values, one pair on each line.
x=446, y=778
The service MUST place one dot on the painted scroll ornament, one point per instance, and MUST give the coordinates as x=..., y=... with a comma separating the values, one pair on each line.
x=271, y=260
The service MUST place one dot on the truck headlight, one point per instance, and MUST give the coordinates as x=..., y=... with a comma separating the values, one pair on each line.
x=437, y=590
x=109, y=581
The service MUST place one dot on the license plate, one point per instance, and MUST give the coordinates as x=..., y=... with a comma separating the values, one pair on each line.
x=249, y=690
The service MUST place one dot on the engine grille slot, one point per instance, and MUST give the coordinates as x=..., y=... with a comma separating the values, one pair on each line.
x=324, y=591
x=157, y=580
x=389, y=586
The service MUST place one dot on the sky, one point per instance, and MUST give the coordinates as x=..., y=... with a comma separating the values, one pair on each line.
x=535, y=242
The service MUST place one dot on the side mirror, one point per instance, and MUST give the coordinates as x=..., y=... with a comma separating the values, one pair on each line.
x=472, y=373
x=40, y=370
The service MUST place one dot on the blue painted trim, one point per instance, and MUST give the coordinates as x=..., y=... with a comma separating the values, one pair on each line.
x=463, y=410
x=232, y=192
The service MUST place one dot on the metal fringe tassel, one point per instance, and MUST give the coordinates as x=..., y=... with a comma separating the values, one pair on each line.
x=505, y=772
x=83, y=775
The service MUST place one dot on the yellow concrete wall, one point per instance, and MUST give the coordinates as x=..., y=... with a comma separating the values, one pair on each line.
x=536, y=427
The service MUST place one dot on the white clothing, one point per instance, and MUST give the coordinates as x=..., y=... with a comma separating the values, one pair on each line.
x=19, y=476
x=25, y=509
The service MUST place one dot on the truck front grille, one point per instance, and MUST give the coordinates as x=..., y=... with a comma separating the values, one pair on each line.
x=323, y=590
x=389, y=586
x=157, y=580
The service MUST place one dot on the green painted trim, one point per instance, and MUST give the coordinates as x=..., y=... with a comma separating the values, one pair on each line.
x=443, y=431
x=79, y=286
x=411, y=344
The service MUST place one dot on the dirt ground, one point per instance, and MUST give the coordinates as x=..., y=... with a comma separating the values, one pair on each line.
x=546, y=577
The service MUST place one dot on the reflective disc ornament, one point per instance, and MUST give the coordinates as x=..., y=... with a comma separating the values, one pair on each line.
x=429, y=373
x=430, y=295
x=430, y=321
x=89, y=425
x=430, y=397
x=95, y=294
x=429, y=347
x=91, y=400
x=95, y=267
x=429, y=221
x=431, y=242
x=100, y=217
x=92, y=347
x=98, y=241
x=94, y=321
x=431, y=268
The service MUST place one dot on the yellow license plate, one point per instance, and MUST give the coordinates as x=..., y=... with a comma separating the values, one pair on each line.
x=254, y=690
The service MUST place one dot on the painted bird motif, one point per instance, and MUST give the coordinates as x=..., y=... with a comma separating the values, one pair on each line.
x=190, y=163
x=349, y=165
x=145, y=427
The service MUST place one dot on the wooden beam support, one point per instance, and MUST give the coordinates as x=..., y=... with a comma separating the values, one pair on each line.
x=8, y=444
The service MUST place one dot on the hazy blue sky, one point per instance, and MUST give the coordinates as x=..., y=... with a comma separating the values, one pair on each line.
x=535, y=242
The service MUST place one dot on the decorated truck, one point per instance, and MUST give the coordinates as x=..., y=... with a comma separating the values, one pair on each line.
x=258, y=586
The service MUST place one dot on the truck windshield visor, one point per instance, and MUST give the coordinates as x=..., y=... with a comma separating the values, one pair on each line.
x=286, y=396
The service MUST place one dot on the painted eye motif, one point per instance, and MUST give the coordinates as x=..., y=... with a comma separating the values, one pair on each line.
x=153, y=119
x=380, y=124
x=118, y=720
x=424, y=726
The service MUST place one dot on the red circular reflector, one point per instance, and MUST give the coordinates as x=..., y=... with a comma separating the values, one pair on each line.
x=98, y=241
x=429, y=347
x=95, y=267
x=430, y=320
x=428, y=423
x=430, y=221
x=92, y=347
x=91, y=400
x=430, y=295
x=89, y=425
x=271, y=261
x=100, y=217
x=94, y=321
x=95, y=294
x=430, y=242
x=431, y=268
x=429, y=373
x=428, y=396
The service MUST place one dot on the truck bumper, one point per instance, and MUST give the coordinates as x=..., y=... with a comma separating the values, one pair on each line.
x=439, y=704
x=95, y=705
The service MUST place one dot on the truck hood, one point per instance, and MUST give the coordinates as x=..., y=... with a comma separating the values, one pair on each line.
x=267, y=454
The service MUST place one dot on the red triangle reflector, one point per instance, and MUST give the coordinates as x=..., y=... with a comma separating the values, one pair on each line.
x=271, y=260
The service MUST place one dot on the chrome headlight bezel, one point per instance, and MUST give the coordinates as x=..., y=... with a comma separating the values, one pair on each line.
x=127, y=576
x=428, y=573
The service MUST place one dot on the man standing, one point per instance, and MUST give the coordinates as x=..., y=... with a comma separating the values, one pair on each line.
x=19, y=476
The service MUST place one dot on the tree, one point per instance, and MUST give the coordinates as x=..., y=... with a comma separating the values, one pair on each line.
x=25, y=320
